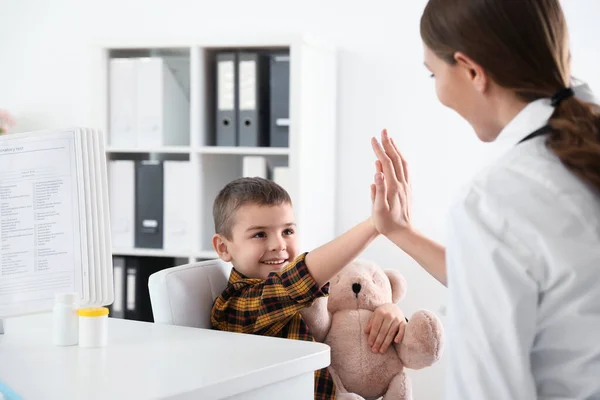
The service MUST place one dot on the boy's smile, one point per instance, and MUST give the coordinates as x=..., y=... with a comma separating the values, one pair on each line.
x=263, y=240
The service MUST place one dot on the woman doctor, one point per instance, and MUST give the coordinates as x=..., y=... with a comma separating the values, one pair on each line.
x=523, y=258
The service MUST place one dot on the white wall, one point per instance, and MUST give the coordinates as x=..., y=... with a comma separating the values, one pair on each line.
x=45, y=64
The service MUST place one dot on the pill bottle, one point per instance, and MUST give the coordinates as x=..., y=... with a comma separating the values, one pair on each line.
x=93, y=326
x=65, y=319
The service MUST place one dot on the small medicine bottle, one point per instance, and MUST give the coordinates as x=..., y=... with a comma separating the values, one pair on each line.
x=65, y=319
x=93, y=326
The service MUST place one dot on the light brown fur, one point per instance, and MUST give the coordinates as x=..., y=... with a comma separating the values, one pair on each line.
x=340, y=320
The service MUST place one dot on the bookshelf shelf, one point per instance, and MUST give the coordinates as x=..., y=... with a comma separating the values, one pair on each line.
x=137, y=252
x=162, y=149
x=259, y=151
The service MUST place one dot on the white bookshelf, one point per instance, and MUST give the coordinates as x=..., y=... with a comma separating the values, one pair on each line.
x=312, y=137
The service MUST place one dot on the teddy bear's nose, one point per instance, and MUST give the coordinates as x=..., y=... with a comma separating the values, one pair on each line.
x=356, y=288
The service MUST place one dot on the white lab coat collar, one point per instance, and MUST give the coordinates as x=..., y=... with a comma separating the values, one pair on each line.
x=536, y=114
x=531, y=118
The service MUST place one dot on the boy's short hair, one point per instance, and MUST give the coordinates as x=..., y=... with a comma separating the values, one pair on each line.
x=241, y=192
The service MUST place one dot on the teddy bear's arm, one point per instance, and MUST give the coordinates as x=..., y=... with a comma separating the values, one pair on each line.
x=423, y=341
x=317, y=318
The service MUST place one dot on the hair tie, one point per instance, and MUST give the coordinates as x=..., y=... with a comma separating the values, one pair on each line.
x=561, y=95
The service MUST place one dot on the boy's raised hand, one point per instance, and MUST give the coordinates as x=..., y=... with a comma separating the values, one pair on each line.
x=387, y=325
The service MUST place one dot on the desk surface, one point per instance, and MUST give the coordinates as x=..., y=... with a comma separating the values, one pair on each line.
x=144, y=360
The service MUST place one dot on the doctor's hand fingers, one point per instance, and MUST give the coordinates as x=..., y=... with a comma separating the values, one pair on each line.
x=387, y=165
x=392, y=152
x=403, y=161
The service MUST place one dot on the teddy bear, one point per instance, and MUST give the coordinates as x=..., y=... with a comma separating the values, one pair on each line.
x=339, y=320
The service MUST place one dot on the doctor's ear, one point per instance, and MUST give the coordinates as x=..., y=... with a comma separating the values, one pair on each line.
x=474, y=72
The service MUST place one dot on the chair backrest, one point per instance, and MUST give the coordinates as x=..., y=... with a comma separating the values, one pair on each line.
x=184, y=295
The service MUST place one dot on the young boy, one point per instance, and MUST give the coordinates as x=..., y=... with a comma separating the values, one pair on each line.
x=270, y=282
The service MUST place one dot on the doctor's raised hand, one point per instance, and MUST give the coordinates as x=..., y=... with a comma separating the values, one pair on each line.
x=391, y=198
x=391, y=193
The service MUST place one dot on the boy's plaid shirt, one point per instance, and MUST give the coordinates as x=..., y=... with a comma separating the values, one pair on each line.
x=272, y=307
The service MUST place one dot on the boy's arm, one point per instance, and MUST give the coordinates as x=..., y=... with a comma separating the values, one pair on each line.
x=265, y=307
x=326, y=261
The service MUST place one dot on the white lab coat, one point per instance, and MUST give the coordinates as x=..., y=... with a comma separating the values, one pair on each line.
x=523, y=260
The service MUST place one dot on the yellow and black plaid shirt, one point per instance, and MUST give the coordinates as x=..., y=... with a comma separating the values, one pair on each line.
x=272, y=307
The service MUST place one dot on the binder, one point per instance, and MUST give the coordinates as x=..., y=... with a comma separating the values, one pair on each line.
x=133, y=305
x=226, y=96
x=255, y=166
x=149, y=184
x=279, y=86
x=121, y=176
x=253, y=99
x=117, y=309
x=122, y=102
x=163, y=109
x=138, y=269
x=283, y=177
x=177, y=205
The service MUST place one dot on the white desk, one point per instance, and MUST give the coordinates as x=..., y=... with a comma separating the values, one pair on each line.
x=151, y=361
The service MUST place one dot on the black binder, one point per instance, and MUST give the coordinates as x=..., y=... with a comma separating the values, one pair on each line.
x=137, y=300
x=279, y=85
x=149, y=207
x=253, y=99
x=226, y=99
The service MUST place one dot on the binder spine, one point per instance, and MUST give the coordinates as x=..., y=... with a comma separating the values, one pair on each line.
x=226, y=96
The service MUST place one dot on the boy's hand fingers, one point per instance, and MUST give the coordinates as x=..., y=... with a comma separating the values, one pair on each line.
x=373, y=190
x=401, y=331
x=376, y=322
x=381, y=203
x=389, y=338
x=368, y=328
x=386, y=327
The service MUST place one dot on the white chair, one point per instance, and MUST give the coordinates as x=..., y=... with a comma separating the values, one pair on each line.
x=184, y=295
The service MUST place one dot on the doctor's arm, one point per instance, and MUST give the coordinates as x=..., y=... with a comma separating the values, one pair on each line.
x=391, y=196
x=492, y=308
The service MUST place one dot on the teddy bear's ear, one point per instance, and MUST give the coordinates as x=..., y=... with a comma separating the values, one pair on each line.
x=398, y=283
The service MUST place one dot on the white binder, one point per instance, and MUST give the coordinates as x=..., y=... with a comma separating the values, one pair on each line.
x=163, y=110
x=122, y=102
x=118, y=307
x=283, y=177
x=177, y=205
x=255, y=166
x=121, y=177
